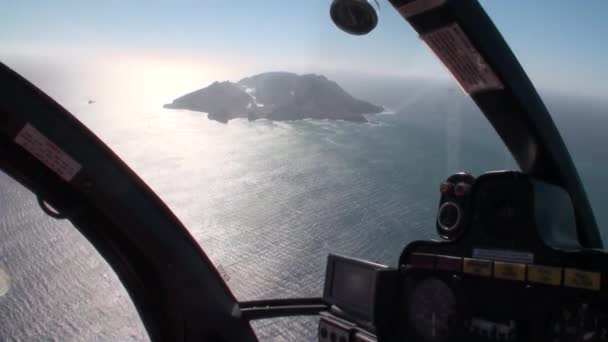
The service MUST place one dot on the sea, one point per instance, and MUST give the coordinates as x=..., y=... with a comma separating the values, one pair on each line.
x=267, y=201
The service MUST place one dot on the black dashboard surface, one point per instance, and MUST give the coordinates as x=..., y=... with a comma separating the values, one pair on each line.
x=508, y=268
x=514, y=273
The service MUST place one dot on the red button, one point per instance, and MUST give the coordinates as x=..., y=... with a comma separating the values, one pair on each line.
x=461, y=189
x=446, y=187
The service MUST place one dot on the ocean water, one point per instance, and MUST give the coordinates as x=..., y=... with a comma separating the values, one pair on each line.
x=267, y=201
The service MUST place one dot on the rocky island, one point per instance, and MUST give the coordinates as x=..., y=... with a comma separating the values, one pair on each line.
x=277, y=96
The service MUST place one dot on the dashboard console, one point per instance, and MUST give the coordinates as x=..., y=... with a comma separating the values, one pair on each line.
x=508, y=268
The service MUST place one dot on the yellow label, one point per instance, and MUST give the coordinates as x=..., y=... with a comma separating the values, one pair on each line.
x=545, y=275
x=509, y=271
x=477, y=267
x=582, y=279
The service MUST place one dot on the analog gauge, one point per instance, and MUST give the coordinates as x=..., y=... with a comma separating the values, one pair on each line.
x=449, y=216
x=432, y=310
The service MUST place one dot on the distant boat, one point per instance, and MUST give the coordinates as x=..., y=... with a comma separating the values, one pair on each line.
x=92, y=101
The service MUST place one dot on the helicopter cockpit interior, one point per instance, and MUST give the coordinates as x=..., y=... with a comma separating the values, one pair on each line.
x=510, y=264
x=518, y=255
x=500, y=273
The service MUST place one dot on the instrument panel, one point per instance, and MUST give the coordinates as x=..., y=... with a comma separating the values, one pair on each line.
x=477, y=303
x=508, y=268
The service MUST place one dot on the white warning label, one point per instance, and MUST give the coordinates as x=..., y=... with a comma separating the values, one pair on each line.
x=503, y=255
x=462, y=59
x=47, y=152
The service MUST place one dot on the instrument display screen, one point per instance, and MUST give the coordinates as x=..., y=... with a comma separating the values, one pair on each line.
x=350, y=285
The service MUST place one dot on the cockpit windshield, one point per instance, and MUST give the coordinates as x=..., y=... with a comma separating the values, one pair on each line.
x=274, y=136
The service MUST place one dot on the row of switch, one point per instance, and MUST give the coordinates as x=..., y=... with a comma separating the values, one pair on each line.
x=541, y=274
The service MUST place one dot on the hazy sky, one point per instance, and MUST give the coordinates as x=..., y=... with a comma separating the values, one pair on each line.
x=562, y=44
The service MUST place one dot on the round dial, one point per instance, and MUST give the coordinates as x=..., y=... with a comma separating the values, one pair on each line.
x=449, y=216
x=432, y=310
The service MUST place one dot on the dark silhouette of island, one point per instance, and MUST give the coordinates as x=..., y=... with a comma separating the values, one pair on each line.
x=277, y=96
